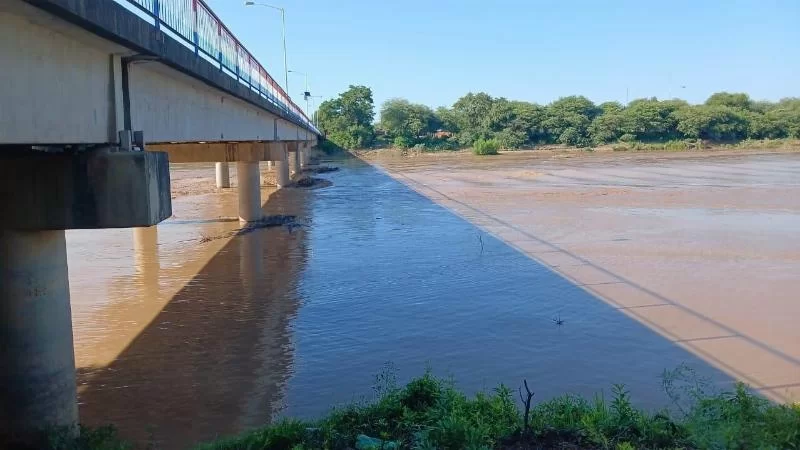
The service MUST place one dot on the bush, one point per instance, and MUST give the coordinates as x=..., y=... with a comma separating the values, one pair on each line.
x=430, y=413
x=329, y=147
x=403, y=142
x=485, y=147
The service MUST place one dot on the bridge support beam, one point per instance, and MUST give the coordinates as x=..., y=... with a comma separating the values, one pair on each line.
x=223, y=175
x=249, y=191
x=37, y=364
x=41, y=195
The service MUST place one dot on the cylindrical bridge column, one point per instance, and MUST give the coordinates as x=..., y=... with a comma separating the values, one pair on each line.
x=282, y=168
x=306, y=156
x=223, y=175
x=37, y=362
x=296, y=159
x=249, y=191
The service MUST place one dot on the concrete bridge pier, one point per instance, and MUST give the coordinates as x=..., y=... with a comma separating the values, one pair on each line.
x=294, y=157
x=282, y=167
x=43, y=193
x=37, y=365
x=249, y=191
x=223, y=175
x=305, y=160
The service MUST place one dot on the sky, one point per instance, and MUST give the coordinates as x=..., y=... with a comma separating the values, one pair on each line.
x=433, y=52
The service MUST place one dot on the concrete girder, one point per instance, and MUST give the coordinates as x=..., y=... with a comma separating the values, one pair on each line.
x=225, y=151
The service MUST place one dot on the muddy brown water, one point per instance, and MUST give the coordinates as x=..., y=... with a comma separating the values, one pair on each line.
x=460, y=265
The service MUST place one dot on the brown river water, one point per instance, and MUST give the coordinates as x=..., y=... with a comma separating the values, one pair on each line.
x=455, y=263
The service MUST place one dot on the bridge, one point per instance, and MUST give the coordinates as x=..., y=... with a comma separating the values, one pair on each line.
x=97, y=97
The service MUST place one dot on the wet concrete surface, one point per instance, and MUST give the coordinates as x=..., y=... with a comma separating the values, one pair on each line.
x=458, y=266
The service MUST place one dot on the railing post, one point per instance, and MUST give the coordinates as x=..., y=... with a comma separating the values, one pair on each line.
x=237, y=60
x=196, y=37
x=157, y=14
x=219, y=45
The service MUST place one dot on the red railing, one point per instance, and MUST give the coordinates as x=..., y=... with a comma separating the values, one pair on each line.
x=196, y=25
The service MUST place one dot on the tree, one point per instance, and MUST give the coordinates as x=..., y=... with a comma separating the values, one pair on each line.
x=568, y=118
x=732, y=100
x=471, y=113
x=607, y=127
x=347, y=120
x=408, y=121
x=610, y=107
x=651, y=119
x=716, y=123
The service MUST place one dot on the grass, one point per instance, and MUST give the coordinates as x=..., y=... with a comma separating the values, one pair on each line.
x=430, y=413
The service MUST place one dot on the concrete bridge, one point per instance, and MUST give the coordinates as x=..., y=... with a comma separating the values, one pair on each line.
x=96, y=98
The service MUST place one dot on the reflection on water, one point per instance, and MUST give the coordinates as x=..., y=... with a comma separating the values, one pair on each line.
x=199, y=346
x=180, y=340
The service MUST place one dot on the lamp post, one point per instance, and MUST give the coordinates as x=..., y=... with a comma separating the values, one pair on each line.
x=283, y=22
x=306, y=93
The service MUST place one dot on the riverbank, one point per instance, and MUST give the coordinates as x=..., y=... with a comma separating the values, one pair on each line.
x=430, y=413
x=620, y=148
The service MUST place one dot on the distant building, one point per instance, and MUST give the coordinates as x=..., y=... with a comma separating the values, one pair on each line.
x=442, y=134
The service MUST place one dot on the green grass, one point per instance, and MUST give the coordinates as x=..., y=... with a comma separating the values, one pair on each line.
x=430, y=413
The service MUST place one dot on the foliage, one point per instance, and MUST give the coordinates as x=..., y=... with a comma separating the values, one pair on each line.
x=347, y=122
x=576, y=121
x=430, y=413
x=485, y=147
x=716, y=123
x=347, y=119
x=407, y=123
x=650, y=119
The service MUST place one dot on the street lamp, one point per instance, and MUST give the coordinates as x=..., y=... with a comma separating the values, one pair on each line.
x=306, y=93
x=283, y=22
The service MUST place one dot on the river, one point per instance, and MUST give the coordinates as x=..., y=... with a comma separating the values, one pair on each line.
x=462, y=265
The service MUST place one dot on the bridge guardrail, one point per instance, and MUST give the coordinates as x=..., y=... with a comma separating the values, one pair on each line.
x=196, y=25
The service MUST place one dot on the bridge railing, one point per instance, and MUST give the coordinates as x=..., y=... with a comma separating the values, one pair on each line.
x=194, y=24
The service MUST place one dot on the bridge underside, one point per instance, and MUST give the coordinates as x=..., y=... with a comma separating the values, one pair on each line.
x=73, y=87
x=90, y=117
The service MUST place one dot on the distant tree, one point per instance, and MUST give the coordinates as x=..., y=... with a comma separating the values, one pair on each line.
x=347, y=119
x=733, y=100
x=472, y=115
x=568, y=118
x=786, y=116
x=530, y=118
x=717, y=123
x=651, y=119
x=408, y=121
x=607, y=127
x=610, y=107
x=446, y=119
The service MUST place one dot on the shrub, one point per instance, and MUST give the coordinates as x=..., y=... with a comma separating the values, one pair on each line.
x=403, y=142
x=485, y=147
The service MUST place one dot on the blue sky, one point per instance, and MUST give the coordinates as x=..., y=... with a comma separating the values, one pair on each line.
x=433, y=52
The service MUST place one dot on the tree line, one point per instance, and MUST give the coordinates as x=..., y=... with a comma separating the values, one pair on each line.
x=574, y=120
